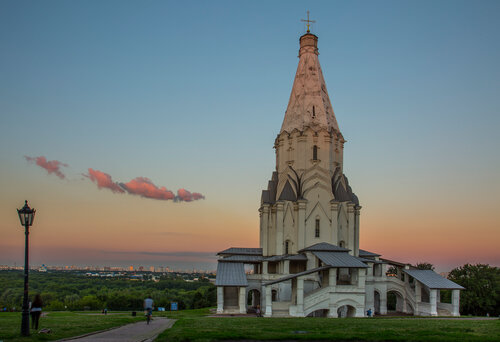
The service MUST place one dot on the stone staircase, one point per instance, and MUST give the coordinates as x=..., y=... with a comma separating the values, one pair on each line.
x=316, y=299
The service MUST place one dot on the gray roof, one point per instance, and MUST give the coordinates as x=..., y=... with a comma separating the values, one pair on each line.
x=363, y=253
x=324, y=247
x=395, y=263
x=249, y=259
x=433, y=280
x=370, y=260
x=295, y=275
x=287, y=194
x=300, y=257
x=335, y=259
x=230, y=274
x=241, y=251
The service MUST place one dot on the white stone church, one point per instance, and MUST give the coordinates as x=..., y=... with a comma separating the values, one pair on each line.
x=309, y=262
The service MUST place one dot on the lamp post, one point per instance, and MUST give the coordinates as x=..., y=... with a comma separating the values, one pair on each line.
x=26, y=216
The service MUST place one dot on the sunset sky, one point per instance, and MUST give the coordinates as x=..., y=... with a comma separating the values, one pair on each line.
x=156, y=120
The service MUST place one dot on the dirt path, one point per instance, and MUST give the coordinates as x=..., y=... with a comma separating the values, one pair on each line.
x=135, y=332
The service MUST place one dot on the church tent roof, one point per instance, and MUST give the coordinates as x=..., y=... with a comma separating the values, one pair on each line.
x=342, y=260
x=324, y=246
x=241, y=251
x=309, y=104
x=433, y=280
x=230, y=274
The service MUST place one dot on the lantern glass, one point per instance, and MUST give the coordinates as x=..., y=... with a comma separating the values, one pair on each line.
x=26, y=215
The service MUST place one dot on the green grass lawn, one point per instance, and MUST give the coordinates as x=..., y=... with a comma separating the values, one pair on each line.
x=193, y=326
x=62, y=324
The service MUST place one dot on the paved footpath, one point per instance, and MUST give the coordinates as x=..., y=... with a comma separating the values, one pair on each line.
x=134, y=332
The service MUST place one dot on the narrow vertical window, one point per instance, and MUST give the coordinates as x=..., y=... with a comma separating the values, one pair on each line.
x=342, y=244
x=286, y=247
x=315, y=152
x=314, y=112
x=316, y=230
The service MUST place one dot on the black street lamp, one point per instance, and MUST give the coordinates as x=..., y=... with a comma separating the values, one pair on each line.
x=26, y=216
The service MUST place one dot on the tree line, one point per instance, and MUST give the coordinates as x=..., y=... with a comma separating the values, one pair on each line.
x=75, y=291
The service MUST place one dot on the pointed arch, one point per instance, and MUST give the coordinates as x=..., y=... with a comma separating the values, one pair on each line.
x=318, y=207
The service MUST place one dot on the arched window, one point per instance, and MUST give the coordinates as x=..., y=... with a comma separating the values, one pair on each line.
x=287, y=245
x=315, y=152
x=342, y=244
x=316, y=230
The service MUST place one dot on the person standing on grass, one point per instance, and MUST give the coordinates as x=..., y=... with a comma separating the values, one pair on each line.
x=36, y=311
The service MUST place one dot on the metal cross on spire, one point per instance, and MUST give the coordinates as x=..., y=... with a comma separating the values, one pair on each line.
x=308, y=22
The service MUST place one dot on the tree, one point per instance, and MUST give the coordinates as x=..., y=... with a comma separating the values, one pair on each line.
x=425, y=266
x=482, y=289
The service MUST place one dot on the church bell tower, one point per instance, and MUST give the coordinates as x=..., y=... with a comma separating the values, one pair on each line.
x=308, y=199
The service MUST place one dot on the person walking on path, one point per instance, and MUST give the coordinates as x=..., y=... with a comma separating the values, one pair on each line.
x=148, y=307
x=36, y=311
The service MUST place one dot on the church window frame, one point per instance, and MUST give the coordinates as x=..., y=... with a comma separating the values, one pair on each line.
x=314, y=112
x=317, y=228
x=315, y=152
x=342, y=244
x=287, y=247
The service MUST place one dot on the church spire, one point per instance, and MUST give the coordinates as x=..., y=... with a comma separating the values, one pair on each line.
x=309, y=104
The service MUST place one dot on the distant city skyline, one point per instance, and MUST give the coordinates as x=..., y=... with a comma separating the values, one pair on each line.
x=143, y=132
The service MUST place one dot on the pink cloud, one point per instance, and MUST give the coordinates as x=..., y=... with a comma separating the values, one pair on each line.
x=103, y=180
x=186, y=196
x=142, y=186
x=52, y=166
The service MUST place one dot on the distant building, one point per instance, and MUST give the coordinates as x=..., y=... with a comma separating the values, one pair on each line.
x=309, y=262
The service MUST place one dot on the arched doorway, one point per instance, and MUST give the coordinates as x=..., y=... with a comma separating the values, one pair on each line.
x=253, y=300
x=346, y=311
x=376, y=303
x=395, y=301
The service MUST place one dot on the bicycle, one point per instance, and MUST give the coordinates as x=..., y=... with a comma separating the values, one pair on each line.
x=149, y=314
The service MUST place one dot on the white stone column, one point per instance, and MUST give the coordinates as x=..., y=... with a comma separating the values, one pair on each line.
x=433, y=301
x=334, y=209
x=300, y=296
x=264, y=225
x=332, y=307
x=383, y=303
x=361, y=277
x=418, y=297
x=264, y=267
x=332, y=278
x=351, y=227
x=356, y=230
x=286, y=266
x=220, y=299
x=269, y=303
x=301, y=242
x=242, y=300
x=279, y=227
x=455, y=302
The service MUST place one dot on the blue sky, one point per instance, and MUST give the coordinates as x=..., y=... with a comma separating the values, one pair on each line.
x=192, y=94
